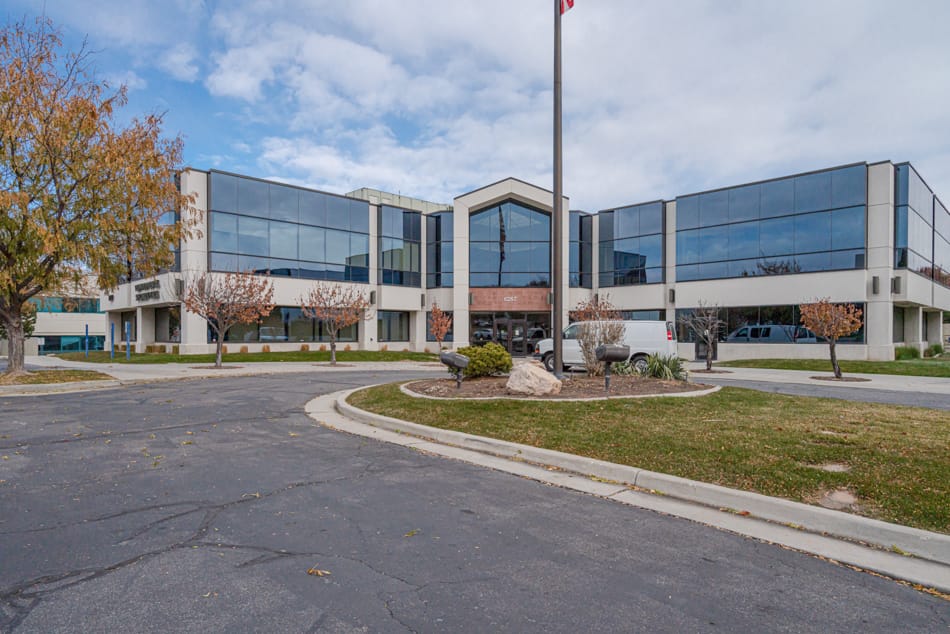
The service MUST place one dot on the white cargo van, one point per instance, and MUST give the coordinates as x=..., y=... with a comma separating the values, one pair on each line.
x=643, y=337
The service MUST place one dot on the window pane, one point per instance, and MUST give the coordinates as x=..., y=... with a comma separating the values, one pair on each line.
x=853, y=259
x=651, y=218
x=687, y=247
x=627, y=222
x=313, y=208
x=480, y=226
x=338, y=212
x=311, y=244
x=714, y=244
x=283, y=203
x=485, y=257
x=687, y=213
x=606, y=221
x=651, y=248
x=283, y=240
x=849, y=186
x=776, y=198
x=847, y=228
x=777, y=237
x=223, y=192
x=338, y=246
x=224, y=262
x=813, y=192
x=284, y=268
x=359, y=250
x=223, y=232
x=359, y=216
x=744, y=203
x=254, y=264
x=813, y=232
x=744, y=240
x=252, y=198
x=252, y=235
x=714, y=208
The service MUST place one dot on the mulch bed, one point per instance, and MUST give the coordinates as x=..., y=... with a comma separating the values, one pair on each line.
x=572, y=387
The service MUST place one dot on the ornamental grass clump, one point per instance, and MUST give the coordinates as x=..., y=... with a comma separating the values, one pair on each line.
x=669, y=368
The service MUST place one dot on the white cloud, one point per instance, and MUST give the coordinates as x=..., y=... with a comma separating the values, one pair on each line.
x=129, y=79
x=180, y=62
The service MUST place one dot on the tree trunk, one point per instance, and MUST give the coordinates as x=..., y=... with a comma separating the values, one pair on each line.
x=332, y=349
x=15, y=344
x=834, y=360
x=219, y=346
x=709, y=355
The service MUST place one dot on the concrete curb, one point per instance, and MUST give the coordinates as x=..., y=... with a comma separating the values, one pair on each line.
x=38, y=389
x=929, y=546
x=711, y=390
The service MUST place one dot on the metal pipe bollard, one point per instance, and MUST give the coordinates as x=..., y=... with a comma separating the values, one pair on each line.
x=456, y=362
x=609, y=354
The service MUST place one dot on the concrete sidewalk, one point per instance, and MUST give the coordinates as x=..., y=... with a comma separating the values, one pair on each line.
x=914, y=555
x=892, y=382
x=128, y=373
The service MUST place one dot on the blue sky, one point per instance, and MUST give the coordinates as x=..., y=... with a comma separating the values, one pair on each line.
x=433, y=98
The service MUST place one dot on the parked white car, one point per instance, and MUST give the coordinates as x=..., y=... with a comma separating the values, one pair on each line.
x=643, y=337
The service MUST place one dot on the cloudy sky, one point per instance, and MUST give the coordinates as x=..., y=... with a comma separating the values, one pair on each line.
x=433, y=98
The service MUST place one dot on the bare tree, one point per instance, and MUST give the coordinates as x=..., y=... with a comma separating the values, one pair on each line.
x=600, y=325
x=439, y=323
x=831, y=321
x=704, y=321
x=228, y=299
x=337, y=306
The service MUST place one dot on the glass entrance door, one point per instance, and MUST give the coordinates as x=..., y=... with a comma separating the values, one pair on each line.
x=511, y=333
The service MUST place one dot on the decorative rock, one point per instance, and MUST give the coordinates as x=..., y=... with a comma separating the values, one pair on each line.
x=532, y=379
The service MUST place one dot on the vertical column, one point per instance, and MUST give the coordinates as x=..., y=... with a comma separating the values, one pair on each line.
x=145, y=328
x=669, y=259
x=913, y=327
x=934, y=327
x=460, y=290
x=878, y=313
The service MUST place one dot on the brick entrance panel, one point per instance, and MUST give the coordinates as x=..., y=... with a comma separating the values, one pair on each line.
x=510, y=299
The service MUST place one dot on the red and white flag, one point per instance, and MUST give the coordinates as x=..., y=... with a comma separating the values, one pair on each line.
x=565, y=5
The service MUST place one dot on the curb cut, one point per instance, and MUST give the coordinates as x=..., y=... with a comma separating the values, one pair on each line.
x=928, y=548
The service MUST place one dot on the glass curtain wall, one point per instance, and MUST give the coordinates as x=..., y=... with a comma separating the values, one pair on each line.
x=400, y=237
x=801, y=224
x=921, y=227
x=509, y=246
x=280, y=230
x=631, y=245
x=392, y=325
x=762, y=324
x=285, y=324
x=440, y=254
x=581, y=254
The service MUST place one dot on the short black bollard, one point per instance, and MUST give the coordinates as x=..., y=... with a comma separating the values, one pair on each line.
x=456, y=362
x=609, y=354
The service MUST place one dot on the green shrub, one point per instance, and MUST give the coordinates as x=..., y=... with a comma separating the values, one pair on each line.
x=903, y=353
x=934, y=350
x=486, y=360
x=624, y=368
x=668, y=368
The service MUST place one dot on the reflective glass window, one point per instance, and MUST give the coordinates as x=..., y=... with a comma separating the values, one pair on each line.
x=313, y=208
x=651, y=218
x=359, y=216
x=227, y=262
x=777, y=236
x=312, y=245
x=714, y=208
x=847, y=228
x=223, y=192
x=687, y=213
x=338, y=246
x=744, y=203
x=627, y=222
x=224, y=233
x=744, y=240
x=283, y=240
x=252, y=198
x=651, y=248
x=338, y=212
x=813, y=192
x=849, y=186
x=252, y=235
x=284, y=202
x=687, y=246
x=714, y=243
x=606, y=222
x=813, y=232
x=776, y=198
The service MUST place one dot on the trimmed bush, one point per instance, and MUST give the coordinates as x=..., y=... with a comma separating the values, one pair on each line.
x=934, y=350
x=266, y=348
x=486, y=360
x=669, y=368
x=304, y=347
x=903, y=353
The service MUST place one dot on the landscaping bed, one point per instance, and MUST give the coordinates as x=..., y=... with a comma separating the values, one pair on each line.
x=572, y=387
x=892, y=461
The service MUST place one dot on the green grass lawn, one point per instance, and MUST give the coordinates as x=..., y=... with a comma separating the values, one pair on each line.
x=53, y=376
x=937, y=366
x=342, y=356
x=899, y=456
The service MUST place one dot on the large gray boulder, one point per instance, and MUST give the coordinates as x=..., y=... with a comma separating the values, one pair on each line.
x=533, y=380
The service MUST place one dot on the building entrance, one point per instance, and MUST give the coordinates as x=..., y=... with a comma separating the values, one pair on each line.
x=516, y=332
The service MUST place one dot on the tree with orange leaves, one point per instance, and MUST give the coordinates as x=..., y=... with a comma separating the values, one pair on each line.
x=228, y=299
x=831, y=321
x=337, y=306
x=440, y=322
x=79, y=187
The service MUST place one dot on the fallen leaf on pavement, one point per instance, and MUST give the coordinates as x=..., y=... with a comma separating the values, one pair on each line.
x=316, y=572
